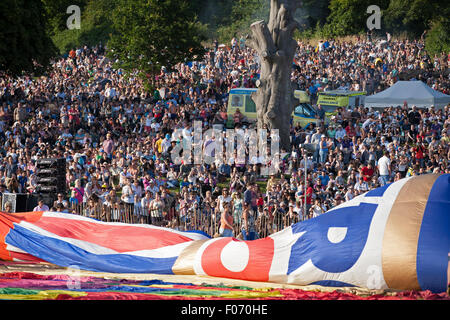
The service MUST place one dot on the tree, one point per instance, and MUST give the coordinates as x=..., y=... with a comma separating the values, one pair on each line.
x=414, y=16
x=243, y=13
x=437, y=40
x=314, y=12
x=25, y=45
x=96, y=26
x=56, y=13
x=349, y=17
x=154, y=33
x=213, y=14
x=273, y=41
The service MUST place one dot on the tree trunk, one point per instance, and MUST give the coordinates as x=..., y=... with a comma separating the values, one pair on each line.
x=273, y=42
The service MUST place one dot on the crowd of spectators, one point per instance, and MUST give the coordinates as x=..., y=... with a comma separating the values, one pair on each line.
x=117, y=137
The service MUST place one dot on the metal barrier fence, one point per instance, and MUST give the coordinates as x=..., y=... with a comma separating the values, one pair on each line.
x=192, y=220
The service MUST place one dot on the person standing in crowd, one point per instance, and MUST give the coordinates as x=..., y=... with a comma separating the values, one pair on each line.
x=145, y=205
x=41, y=206
x=248, y=229
x=361, y=185
x=367, y=172
x=224, y=198
x=7, y=207
x=108, y=145
x=156, y=210
x=384, y=167
x=128, y=196
x=60, y=199
x=291, y=217
x=237, y=208
x=77, y=193
x=414, y=116
x=226, y=221
x=323, y=149
x=320, y=114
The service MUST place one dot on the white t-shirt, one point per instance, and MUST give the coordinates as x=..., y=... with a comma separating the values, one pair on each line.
x=383, y=165
x=137, y=190
x=155, y=126
x=367, y=123
x=127, y=194
x=316, y=211
x=43, y=208
x=222, y=200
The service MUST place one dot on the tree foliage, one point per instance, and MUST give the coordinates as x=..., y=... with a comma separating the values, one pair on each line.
x=96, y=27
x=349, y=17
x=56, y=13
x=313, y=13
x=213, y=14
x=151, y=34
x=413, y=16
x=438, y=38
x=237, y=18
x=160, y=32
x=25, y=45
x=243, y=13
x=408, y=18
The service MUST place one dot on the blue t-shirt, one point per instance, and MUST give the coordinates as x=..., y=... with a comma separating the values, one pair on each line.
x=312, y=89
x=324, y=179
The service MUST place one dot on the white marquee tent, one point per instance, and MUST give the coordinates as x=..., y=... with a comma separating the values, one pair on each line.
x=415, y=93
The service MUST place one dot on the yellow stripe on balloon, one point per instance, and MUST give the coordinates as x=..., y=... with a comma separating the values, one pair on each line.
x=42, y=295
